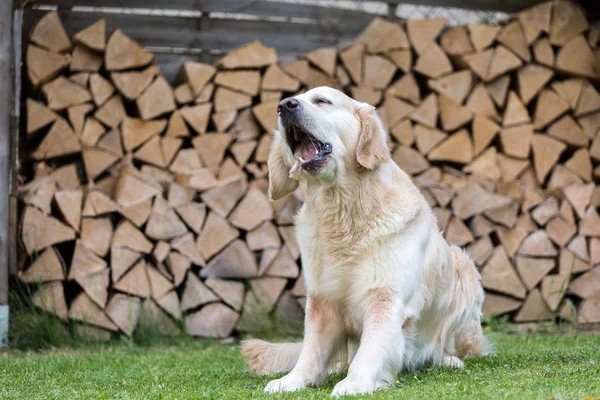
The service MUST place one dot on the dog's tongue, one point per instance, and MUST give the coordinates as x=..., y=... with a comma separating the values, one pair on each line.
x=309, y=150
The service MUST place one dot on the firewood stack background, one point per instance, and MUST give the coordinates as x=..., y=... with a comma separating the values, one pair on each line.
x=144, y=198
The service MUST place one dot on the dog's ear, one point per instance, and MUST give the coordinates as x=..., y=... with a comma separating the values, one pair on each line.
x=372, y=148
x=279, y=163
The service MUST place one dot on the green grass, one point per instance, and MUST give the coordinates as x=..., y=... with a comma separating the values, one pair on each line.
x=534, y=366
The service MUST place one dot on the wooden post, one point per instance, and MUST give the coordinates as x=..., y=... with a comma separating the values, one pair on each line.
x=5, y=112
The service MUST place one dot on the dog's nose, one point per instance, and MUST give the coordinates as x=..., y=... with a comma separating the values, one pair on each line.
x=288, y=104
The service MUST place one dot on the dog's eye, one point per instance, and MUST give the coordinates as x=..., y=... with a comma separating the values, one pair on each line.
x=321, y=100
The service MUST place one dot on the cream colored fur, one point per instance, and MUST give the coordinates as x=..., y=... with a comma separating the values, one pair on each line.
x=378, y=271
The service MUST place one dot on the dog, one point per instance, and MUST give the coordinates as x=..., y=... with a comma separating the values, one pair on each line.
x=385, y=291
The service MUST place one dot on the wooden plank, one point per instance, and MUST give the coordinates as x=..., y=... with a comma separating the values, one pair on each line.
x=5, y=147
x=188, y=33
x=321, y=13
x=287, y=9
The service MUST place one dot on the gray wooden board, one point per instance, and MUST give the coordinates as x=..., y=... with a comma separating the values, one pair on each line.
x=209, y=33
x=253, y=7
x=286, y=9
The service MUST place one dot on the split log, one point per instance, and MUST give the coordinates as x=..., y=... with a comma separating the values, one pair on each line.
x=164, y=224
x=377, y=72
x=124, y=311
x=513, y=37
x=121, y=259
x=224, y=120
x=195, y=293
x=112, y=112
x=51, y=298
x=38, y=116
x=480, y=250
x=579, y=195
x=498, y=90
x=532, y=78
x=577, y=58
x=537, y=244
x=153, y=316
x=427, y=112
x=502, y=61
x=84, y=59
x=96, y=286
x=533, y=270
x=499, y=275
x=586, y=285
x=170, y=303
x=411, y=161
x=50, y=33
x=553, y=290
x=123, y=53
x=39, y=231
x=456, y=148
x=202, y=179
x=452, y=114
x=197, y=116
x=77, y=116
x=216, y=234
x=214, y=320
x=127, y=235
x=236, y=261
x=482, y=36
x=183, y=94
x=157, y=100
x=546, y=152
x=85, y=262
x=85, y=310
x=59, y=141
x=455, y=41
x=231, y=292
x=543, y=52
x=43, y=65
x=139, y=213
x=211, y=148
x=94, y=36
x=96, y=234
x=49, y=266
x=422, y=32
x=567, y=130
x=133, y=188
x=252, y=211
x=251, y=55
x=223, y=199
x=402, y=59
x=534, y=308
x=193, y=215
x=497, y=305
x=132, y=83
x=549, y=107
x=472, y=200
x=135, y=281
x=433, y=62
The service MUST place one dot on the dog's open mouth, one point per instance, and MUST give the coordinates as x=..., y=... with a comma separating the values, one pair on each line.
x=310, y=153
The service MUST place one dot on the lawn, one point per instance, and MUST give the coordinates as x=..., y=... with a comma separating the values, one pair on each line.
x=534, y=366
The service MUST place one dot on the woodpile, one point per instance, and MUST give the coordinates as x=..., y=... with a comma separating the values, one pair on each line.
x=148, y=199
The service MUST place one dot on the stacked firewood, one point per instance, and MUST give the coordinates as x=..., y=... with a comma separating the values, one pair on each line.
x=148, y=199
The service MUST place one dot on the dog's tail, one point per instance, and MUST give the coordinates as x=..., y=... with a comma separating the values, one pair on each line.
x=264, y=358
x=470, y=340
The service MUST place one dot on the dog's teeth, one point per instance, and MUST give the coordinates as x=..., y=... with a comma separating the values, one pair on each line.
x=301, y=160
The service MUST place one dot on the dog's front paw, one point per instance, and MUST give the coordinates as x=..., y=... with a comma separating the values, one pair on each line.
x=288, y=383
x=351, y=387
x=452, y=362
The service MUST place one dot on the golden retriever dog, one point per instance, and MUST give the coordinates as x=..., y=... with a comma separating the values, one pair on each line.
x=379, y=274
